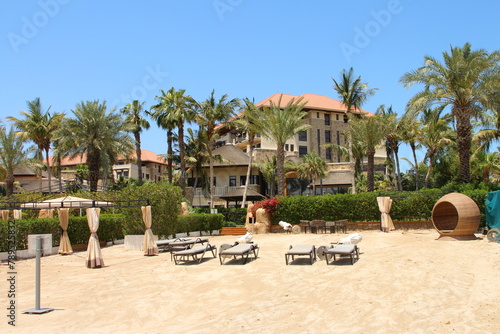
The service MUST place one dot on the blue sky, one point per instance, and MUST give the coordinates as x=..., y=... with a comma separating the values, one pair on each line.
x=67, y=51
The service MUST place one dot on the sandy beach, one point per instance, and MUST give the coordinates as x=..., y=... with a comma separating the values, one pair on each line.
x=403, y=282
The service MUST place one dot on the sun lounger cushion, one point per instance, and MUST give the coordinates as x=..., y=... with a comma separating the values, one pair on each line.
x=349, y=249
x=308, y=250
x=242, y=250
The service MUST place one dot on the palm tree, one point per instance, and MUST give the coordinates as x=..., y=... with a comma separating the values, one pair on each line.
x=279, y=124
x=99, y=133
x=12, y=155
x=369, y=130
x=39, y=126
x=393, y=137
x=244, y=124
x=486, y=164
x=162, y=114
x=313, y=167
x=211, y=112
x=183, y=112
x=196, y=154
x=267, y=168
x=133, y=119
x=353, y=93
x=467, y=81
x=411, y=134
x=436, y=134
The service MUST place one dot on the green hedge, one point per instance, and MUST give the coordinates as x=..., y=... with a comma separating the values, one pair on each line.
x=110, y=227
x=363, y=207
x=199, y=222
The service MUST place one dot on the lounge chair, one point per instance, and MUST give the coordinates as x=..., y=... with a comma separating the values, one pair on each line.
x=301, y=250
x=347, y=249
x=194, y=252
x=242, y=250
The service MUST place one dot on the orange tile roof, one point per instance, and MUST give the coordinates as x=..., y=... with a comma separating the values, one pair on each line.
x=146, y=156
x=313, y=101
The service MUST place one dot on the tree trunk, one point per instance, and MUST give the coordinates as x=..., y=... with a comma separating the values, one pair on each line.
x=9, y=183
x=370, y=153
x=211, y=180
x=138, y=154
x=170, y=153
x=429, y=171
x=413, y=150
x=49, y=171
x=398, y=169
x=249, y=173
x=94, y=166
x=280, y=161
x=464, y=129
x=181, y=155
x=352, y=165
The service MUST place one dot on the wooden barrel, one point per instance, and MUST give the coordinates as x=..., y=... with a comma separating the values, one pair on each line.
x=456, y=214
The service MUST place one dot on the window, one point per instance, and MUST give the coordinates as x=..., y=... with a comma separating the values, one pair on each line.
x=328, y=154
x=338, y=137
x=125, y=174
x=303, y=136
x=318, y=135
x=317, y=115
x=286, y=147
x=328, y=136
x=232, y=181
x=337, y=117
x=327, y=119
x=292, y=148
x=254, y=179
x=346, y=119
x=302, y=150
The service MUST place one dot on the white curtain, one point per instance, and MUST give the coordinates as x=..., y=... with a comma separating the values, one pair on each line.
x=148, y=245
x=384, y=205
x=94, y=255
x=64, y=245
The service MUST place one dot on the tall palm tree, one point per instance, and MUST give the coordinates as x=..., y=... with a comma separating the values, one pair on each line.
x=39, y=126
x=244, y=124
x=211, y=113
x=183, y=111
x=411, y=135
x=267, y=168
x=467, y=81
x=279, y=124
x=436, y=134
x=133, y=119
x=393, y=137
x=12, y=155
x=353, y=93
x=313, y=167
x=196, y=154
x=369, y=130
x=99, y=133
x=162, y=114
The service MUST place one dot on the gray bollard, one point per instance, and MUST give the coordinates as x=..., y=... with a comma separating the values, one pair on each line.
x=37, y=309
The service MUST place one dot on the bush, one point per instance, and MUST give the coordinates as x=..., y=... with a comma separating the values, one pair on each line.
x=110, y=227
x=199, y=222
x=165, y=201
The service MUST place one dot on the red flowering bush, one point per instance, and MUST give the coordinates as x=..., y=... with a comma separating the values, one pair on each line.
x=270, y=205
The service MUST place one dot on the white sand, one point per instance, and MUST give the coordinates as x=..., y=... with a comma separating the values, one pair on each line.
x=403, y=282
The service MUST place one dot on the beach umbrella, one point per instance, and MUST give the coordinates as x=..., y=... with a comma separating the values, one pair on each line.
x=148, y=245
x=384, y=205
x=94, y=256
x=64, y=244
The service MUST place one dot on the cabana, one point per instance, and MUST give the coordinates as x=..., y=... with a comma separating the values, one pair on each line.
x=93, y=207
